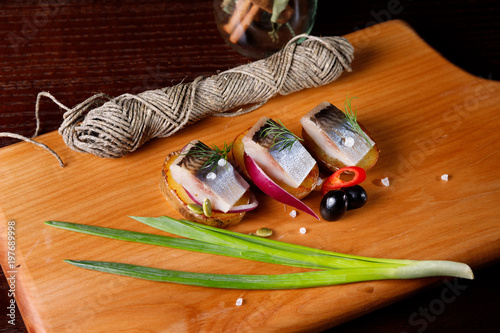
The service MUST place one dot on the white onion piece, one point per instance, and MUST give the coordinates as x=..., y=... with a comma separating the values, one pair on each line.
x=235, y=209
x=245, y=208
x=269, y=187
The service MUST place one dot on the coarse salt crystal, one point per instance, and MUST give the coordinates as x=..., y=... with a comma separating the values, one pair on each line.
x=385, y=181
x=293, y=213
x=445, y=177
x=211, y=175
x=239, y=301
x=302, y=230
x=222, y=162
x=320, y=181
x=349, y=142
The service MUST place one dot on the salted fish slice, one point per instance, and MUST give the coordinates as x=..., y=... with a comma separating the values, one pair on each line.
x=329, y=128
x=223, y=190
x=289, y=165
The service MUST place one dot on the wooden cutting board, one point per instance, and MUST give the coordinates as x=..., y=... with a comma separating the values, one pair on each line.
x=428, y=117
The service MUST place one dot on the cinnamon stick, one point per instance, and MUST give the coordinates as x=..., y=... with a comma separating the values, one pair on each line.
x=241, y=9
x=240, y=29
x=248, y=10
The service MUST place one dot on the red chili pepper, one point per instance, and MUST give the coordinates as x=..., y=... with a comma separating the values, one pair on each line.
x=334, y=182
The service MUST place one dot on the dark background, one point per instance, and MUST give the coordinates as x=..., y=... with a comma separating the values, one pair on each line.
x=77, y=48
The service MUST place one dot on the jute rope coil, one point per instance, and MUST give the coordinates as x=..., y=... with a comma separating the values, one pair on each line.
x=112, y=127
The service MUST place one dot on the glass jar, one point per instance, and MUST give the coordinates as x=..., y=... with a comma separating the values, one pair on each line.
x=259, y=28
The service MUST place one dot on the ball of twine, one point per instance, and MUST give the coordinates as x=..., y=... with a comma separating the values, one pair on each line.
x=112, y=127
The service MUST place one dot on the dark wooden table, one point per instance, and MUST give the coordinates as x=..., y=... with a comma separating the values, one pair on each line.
x=74, y=49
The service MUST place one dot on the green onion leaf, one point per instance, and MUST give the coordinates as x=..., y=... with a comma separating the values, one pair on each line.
x=241, y=281
x=173, y=242
x=314, y=257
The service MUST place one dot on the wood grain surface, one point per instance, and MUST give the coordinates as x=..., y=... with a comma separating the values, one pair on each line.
x=401, y=83
x=75, y=48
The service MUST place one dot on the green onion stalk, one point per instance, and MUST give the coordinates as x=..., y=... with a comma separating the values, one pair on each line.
x=329, y=268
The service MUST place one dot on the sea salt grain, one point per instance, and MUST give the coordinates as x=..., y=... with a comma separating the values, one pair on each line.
x=385, y=181
x=302, y=230
x=239, y=301
x=320, y=182
x=444, y=177
x=211, y=175
x=293, y=213
x=349, y=142
x=222, y=162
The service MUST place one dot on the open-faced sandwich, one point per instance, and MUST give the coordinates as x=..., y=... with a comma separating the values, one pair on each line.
x=336, y=139
x=204, y=187
x=273, y=158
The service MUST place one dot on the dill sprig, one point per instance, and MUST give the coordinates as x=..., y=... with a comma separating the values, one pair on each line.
x=211, y=154
x=281, y=135
x=352, y=117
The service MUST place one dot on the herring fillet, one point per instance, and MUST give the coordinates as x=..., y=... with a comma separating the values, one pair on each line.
x=223, y=191
x=289, y=165
x=329, y=128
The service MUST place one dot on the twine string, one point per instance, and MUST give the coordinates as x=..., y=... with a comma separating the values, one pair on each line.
x=112, y=127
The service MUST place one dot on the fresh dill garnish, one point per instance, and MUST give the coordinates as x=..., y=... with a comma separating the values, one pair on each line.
x=211, y=154
x=281, y=135
x=352, y=117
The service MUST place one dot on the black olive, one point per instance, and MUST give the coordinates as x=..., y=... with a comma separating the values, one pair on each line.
x=333, y=205
x=356, y=196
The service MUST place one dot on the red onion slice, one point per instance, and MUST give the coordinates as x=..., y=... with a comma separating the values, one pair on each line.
x=192, y=197
x=253, y=203
x=269, y=187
